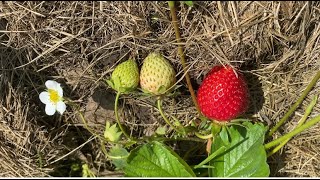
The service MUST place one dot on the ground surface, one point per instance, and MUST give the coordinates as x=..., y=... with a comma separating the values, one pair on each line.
x=275, y=44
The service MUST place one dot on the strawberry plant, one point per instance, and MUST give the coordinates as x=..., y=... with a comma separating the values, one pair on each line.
x=158, y=78
x=124, y=79
x=236, y=147
x=237, y=150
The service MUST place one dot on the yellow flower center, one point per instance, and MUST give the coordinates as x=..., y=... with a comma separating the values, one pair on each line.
x=54, y=97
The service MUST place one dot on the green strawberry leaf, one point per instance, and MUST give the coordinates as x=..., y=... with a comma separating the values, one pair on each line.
x=205, y=125
x=173, y=91
x=162, y=89
x=161, y=130
x=245, y=155
x=130, y=143
x=118, y=156
x=146, y=92
x=117, y=86
x=189, y=3
x=86, y=172
x=190, y=129
x=210, y=157
x=112, y=133
x=156, y=160
x=117, y=83
x=239, y=120
x=215, y=128
x=110, y=83
x=126, y=90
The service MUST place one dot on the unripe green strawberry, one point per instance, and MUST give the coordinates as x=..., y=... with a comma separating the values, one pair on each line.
x=156, y=75
x=125, y=76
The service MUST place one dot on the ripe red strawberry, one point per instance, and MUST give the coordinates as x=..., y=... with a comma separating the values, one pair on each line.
x=223, y=94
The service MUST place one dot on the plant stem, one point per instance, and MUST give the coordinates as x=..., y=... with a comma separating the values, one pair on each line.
x=308, y=110
x=295, y=106
x=86, y=125
x=81, y=117
x=103, y=149
x=180, y=51
x=172, y=139
x=293, y=133
x=117, y=116
x=171, y=4
x=93, y=133
x=164, y=117
x=302, y=120
x=139, y=140
x=203, y=136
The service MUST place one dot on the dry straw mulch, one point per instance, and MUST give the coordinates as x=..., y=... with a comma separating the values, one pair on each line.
x=78, y=44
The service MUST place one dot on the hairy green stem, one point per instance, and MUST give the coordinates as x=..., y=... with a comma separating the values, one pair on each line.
x=308, y=110
x=171, y=4
x=172, y=139
x=295, y=106
x=86, y=125
x=97, y=135
x=164, y=117
x=293, y=133
x=81, y=117
x=103, y=149
x=117, y=116
x=102, y=140
x=203, y=136
x=302, y=120
x=180, y=51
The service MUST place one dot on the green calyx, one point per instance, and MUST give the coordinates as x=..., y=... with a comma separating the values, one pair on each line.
x=111, y=133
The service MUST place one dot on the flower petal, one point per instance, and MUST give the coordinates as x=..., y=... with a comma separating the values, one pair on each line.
x=60, y=91
x=50, y=109
x=44, y=97
x=50, y=84
x=61, y=107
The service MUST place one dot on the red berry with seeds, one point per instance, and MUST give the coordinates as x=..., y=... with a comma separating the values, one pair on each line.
x=223, y=94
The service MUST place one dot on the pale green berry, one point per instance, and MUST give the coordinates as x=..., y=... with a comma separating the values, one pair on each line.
x=125, y=76
x=156, y=75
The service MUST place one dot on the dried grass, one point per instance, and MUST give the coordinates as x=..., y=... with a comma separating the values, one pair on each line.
x=276, y=44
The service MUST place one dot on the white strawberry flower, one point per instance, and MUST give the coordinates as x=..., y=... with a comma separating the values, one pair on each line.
x=53, y=98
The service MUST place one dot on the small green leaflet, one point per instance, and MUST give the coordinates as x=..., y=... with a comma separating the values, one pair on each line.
x=161, y=130
x=110, y=83
x=244, y=156
x=118, y=156
x=189, y=3
x=156, y=160
x=86, y=172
